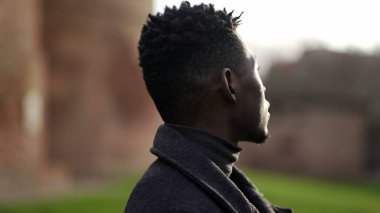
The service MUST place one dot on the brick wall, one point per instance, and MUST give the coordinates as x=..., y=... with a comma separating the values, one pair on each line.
x=99, y=113
x=72, y=98
x=22, y=97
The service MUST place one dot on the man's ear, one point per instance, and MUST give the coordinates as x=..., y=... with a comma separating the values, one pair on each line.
x=229, y=84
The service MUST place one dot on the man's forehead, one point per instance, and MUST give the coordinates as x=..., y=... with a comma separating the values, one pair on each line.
x=248, y=53
x=247, y=50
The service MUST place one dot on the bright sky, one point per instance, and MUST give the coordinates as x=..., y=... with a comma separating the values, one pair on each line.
x=338, y=24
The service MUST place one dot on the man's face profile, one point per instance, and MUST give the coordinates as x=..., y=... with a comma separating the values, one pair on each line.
x=253, y=106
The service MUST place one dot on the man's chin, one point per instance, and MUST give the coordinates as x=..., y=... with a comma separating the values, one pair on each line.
x=262, y=139
x=259, y=138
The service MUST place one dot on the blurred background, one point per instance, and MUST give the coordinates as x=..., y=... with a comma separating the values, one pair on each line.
x=76, y=122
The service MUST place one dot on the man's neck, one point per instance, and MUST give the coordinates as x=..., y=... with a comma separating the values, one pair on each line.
x=222, y=131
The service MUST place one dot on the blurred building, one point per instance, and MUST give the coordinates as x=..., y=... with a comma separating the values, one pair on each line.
x=72, y=98
x=325, y=116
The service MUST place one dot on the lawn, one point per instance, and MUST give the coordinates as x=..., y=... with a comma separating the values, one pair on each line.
x=302, y=194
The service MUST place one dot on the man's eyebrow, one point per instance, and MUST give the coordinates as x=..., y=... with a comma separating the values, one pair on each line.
x=253, y=61
x=252, y=58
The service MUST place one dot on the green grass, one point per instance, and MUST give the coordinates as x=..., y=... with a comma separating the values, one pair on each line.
x=312, y=195
x=111, y=198
x=302, y=194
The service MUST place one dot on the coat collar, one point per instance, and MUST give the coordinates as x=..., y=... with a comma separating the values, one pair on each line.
x=172, y=147
x=220, y=151
x=254, y=195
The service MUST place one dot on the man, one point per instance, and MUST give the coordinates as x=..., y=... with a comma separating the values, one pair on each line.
x=205, y=84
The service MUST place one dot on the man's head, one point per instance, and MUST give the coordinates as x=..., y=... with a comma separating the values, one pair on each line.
x=199, y=72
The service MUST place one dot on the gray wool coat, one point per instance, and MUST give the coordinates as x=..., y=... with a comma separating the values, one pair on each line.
x=183, y=179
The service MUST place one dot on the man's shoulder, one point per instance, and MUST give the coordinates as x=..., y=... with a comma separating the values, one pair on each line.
x=164, y=188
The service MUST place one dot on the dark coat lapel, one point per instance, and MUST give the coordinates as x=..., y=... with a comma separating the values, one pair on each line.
x=176, y=150
x=253, y=194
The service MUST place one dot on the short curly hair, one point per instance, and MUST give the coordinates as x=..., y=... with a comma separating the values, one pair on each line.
x=178, y=48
